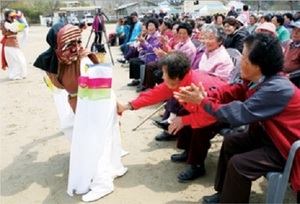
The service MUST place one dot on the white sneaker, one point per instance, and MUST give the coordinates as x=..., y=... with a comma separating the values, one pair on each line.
x=93, y=196
x=17, y=78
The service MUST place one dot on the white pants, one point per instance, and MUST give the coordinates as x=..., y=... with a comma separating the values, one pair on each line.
x=16, y=63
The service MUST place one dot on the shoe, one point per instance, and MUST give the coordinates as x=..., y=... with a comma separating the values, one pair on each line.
x=191, y=173
x=123, y=61
x=134, y=82
x=180, y=157
x=17, y=78
x=93, y=196
x=164, y=124
x=215, y=198
x=164, y=136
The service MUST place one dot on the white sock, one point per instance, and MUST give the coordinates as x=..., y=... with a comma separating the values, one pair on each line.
x=171, y=117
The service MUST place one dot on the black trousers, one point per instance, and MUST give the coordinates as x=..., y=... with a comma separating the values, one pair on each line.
x=98, y=37
x=245, y=157
x=196, y=141
x=134, y=67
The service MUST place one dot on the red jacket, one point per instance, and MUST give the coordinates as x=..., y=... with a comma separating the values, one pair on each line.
x=198, y=117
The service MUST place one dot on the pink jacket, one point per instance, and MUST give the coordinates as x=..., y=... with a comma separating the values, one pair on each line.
x=96, y=24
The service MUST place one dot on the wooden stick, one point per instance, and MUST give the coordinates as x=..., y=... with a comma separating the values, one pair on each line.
x=149, y=116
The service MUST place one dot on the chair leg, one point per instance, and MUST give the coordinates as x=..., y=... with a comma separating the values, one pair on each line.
x=275, y=194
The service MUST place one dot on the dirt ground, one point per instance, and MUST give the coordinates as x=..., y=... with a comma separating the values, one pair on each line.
x=35, y=153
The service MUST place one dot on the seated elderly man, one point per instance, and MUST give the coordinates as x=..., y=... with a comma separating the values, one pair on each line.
x=268, y=101
x=292, y=53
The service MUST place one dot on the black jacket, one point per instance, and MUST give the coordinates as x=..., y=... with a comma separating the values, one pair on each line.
x=236, y=39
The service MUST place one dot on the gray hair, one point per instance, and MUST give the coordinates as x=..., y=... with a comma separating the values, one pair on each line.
x=217, y=30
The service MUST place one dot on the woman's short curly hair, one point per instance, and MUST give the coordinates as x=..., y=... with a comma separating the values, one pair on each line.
x=217, y=30
x=185, y=26
x=177, y=64
x=231, y=21
x=265, y=51
x=154, y=21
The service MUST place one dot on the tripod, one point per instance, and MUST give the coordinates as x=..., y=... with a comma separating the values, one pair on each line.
x=106, y=40
x=107, y=43
x=108, y=46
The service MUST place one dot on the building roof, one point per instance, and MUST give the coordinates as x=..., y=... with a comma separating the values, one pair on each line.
x=126, y=5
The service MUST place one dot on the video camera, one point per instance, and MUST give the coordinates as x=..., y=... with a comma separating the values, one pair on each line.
x=128, y=20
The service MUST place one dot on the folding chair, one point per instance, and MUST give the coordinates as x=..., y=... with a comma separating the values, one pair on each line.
x=278, y=181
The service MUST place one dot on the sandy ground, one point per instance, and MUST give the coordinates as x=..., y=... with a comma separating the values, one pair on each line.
x=35, y=153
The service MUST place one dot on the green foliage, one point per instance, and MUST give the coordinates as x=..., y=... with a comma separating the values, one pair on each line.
x=31, y=14
x=32, y=9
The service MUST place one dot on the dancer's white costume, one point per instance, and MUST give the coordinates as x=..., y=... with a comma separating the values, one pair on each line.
x=95, y=158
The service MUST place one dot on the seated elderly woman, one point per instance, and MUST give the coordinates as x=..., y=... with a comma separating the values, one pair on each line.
x=148, y=44
x=235, y=36
x=216, y=62
x=275, y=124
x=177, y=73
x=181, y=42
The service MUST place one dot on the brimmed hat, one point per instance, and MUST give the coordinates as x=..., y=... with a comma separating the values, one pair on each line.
x=267, y=26
x=295, y=24
x=242, y=19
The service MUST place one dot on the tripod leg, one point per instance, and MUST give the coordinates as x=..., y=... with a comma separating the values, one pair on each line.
x=108, y=45
x=89, y=39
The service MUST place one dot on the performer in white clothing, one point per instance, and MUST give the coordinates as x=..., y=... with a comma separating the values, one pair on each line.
x=95, y=157
x=12, y=57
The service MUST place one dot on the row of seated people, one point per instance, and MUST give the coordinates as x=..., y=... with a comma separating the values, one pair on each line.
x=160, y=44
x=195, y=147
x=216, y=62
x=243, y=158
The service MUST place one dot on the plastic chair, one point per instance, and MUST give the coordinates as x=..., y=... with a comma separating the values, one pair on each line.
x=278, y=181
x=236, y=58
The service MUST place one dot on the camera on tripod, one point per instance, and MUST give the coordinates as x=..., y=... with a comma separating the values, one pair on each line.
x=128, y=20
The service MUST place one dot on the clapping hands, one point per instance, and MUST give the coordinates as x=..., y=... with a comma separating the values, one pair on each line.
x=191, y=94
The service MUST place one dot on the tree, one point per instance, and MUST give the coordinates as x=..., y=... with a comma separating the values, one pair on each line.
x=51, y=6
x=7, y=3
x=31, y=13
